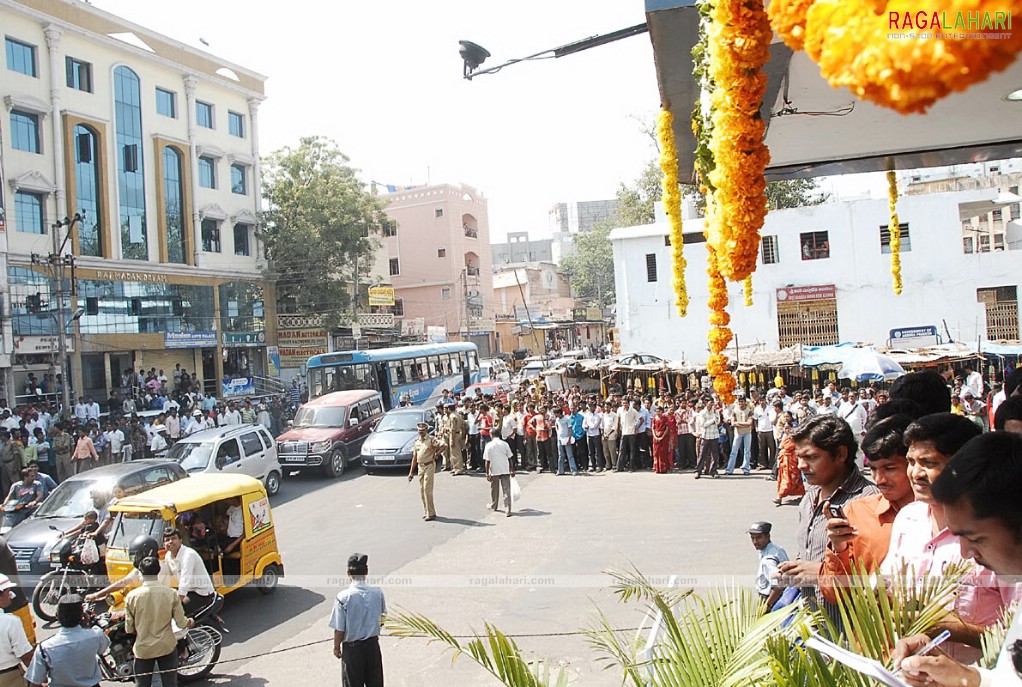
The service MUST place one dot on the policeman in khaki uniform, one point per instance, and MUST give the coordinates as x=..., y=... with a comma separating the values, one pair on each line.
x=425, y=453
x=455, y=436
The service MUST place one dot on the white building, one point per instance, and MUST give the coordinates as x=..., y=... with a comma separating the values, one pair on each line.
x=824, y=277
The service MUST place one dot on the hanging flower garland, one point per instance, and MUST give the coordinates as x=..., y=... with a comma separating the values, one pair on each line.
x=851, y=41
x=894, y=229
x=720, y=335
x=672, y=205
x=747, y=290
x=739, y=45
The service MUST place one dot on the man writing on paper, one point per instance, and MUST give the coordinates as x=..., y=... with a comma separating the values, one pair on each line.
x=979, y=491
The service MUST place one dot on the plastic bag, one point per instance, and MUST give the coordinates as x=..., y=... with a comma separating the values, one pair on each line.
x=90, y=552
x=516, y=490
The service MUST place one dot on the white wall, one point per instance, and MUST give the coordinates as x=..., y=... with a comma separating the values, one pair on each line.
x=940, y=280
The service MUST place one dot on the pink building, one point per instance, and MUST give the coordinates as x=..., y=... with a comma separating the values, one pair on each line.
x=439, y=250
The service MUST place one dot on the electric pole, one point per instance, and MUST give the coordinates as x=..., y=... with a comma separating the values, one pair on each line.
x=56, y=263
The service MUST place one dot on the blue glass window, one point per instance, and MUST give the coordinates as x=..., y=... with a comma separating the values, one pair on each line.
x=142, y=307
x=25, y=283
x=25, y=131
x=87, y=188
x=239, y=183
x=204, y=114
x=28, y=213
x=166, y=103
x=130, y=167
x=236, y=124
x=173, y=200
x=207, y=172
x=79, y=74
x=21, y=57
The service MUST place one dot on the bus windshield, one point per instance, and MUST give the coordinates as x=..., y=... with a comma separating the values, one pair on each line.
x=341, y=378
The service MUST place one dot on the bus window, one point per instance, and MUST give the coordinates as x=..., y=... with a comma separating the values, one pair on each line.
x=409, y=369
x=422, y=368
x=397, y=373
x=434, y=367
x=473, y=361
x=445, y=363
x=456, y=363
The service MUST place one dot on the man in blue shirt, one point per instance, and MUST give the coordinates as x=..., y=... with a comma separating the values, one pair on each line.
x=770, y=557
x=643, y=435
x=69, y=658
x=578, y=434
x=355, y=620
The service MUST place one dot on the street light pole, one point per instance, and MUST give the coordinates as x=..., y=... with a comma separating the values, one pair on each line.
x=57, y=261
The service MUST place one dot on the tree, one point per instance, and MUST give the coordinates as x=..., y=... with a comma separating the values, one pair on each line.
x=319, y=225
x=794, y=193
x=591, y=269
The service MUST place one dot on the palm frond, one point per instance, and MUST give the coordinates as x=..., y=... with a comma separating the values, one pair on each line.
x=495, y=652
x=991, y=641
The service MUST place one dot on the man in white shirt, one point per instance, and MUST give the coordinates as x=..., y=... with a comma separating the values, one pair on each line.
x=592, y=421
x=973, y=381
x=81, y=411
x=609, y=433
x=709, y=432
x=92, y=410
x=765, y=416
x=499, y=471
x=194, y=585
x=158, y=443
x=630, y=421
x=14, y=646
x=232, y=416
x=115, y=440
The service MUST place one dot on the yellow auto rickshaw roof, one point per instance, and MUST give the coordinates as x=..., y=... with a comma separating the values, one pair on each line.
x=190, y=493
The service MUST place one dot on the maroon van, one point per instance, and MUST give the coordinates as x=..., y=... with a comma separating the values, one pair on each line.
x=328, y=431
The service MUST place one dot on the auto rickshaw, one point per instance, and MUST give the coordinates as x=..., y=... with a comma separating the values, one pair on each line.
x=201, y=509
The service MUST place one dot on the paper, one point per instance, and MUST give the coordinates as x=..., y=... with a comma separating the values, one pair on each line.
x=863, y=664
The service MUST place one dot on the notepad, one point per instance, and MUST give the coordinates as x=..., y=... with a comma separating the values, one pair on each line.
x=863, y=664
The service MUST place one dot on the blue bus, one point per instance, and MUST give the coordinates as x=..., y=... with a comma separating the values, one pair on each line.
x=420, y=372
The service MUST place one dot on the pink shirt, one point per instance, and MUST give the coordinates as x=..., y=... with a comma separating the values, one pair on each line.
x=980, y=600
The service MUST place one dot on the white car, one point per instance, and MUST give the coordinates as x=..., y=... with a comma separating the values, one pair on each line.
x=234, y=450
x=493, y=370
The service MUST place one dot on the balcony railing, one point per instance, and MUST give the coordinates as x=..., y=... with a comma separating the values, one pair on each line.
x=472, y=271
x=471, y=232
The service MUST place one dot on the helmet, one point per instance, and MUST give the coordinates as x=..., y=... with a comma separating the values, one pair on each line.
x=143, y=546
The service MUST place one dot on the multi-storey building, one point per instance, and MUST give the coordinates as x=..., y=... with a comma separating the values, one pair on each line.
x=155, y=145
x=520, y=250
x=439, y=246
x=824, y=277
x=569, y=219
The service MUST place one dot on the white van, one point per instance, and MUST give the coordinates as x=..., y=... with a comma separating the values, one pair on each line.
x=231, y=450
x=493, y=370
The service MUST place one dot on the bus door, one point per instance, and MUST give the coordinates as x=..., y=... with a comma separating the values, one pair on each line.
x=383, y=384
x=466, y=370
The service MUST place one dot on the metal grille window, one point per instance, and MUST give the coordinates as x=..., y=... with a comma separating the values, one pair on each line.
x=395, y=267
x=885, y=238
x=768, y=250
x=389, y=227
x=399, y=307
x=651, y=267
x=813, y=323
x=1001, y=303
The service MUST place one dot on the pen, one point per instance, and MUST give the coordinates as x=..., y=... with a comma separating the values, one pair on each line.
x=931, y=645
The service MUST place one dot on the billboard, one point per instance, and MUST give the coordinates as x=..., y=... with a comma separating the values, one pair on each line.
x=381, y=295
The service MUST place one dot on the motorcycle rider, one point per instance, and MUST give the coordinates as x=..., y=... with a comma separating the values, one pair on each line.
x=69, y=658
x=23, y=497
x=141, y=547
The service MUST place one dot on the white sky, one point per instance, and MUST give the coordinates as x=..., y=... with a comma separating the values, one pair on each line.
x=383, y=79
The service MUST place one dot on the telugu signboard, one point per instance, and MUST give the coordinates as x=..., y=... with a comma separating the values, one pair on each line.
x=381, y=295
x=791, y=294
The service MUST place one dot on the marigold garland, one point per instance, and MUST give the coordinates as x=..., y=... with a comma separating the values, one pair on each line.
x=894, y=229
x=672, y=205
x=720, y=335
x=851, y=41
x=747, y=290
x=739, y=45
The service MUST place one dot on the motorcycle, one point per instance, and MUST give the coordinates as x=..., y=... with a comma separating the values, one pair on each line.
x=198, y=646
x=70, y=577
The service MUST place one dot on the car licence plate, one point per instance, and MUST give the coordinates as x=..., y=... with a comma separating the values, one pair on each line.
x=294, y=459
x=24, y=566
x=384, y=459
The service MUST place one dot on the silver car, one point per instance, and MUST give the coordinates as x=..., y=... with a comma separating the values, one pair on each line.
x=390, y=443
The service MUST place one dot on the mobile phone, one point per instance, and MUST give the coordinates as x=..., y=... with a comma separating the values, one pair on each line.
x=836, y=511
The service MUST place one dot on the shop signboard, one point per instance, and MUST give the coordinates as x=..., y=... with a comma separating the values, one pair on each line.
x=381, y=295
x=240, y=339
x=296, y=346
x=436, y=334
x=792, y=294
x=239, y=386
x=189, y=339
x=25, y=345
